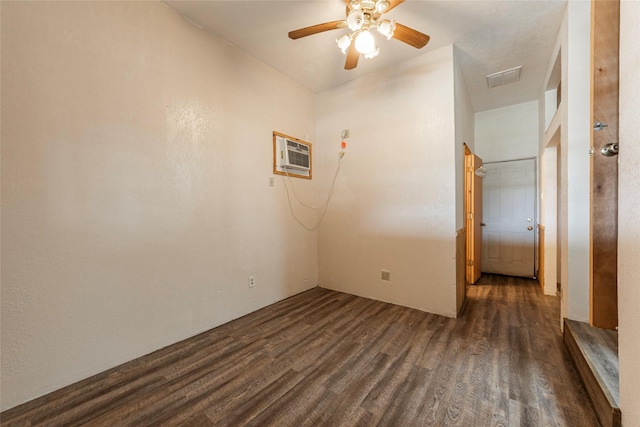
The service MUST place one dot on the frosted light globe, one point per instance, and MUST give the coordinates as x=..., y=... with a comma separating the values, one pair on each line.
x=365, y=42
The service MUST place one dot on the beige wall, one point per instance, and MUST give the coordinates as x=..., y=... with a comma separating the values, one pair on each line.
x=465, y=133
x=394, y=204
x=565, y=166
x=629, y=207
x=549, y=213
x=136, y=154
x=507, y=133
x=575, y=163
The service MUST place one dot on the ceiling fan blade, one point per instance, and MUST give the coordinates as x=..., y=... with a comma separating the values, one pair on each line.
x=315, y=29
x=352, y=58
x=410, y=36
x=393, y=3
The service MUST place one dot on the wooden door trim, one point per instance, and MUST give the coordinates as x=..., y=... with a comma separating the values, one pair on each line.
x=473, y=192
x=461, y=262
x=541, y=256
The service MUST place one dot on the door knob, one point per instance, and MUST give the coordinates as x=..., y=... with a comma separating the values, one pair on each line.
x=529, y=228
x=610, y=149
x=482, y=224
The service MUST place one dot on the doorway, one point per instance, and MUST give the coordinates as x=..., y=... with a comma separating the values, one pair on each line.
x=509, y=217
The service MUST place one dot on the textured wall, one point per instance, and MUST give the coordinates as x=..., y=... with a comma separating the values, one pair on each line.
x=575, y=163
x=565, y=167
x=465, y=133
x=136, y=154
x=629, y=207
x=394, y=202
x=507, y=133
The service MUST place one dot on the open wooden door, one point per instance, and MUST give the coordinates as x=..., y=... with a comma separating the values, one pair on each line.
x=604, y=166
x=473, y=210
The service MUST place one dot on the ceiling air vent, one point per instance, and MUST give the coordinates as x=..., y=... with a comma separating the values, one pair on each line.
x=503, y=77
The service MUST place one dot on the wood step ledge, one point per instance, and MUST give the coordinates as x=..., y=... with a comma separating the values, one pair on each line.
x=594, y=352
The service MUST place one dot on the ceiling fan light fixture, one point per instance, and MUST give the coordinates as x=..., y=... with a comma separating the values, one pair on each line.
x=365, y=43
x=344, y=42
x=355, y=20
x=372, y=53
x=382, y=5
x=362, y=16
x=386, y=28
x=368, y=4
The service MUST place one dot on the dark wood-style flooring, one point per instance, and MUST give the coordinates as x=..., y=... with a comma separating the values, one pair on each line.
x=329, y=358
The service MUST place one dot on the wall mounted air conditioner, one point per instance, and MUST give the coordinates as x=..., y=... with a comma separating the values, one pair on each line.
x=294, y=155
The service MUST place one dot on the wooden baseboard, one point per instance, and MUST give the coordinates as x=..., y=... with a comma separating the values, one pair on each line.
x=461, y=281
x=541, y=256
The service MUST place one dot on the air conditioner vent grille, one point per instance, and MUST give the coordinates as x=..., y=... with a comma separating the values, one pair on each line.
x=504, y=77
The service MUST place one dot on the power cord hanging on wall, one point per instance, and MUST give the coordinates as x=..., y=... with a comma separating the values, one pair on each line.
x=323, y=207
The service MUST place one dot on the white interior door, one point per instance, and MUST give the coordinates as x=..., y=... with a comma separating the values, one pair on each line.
x=508, y=238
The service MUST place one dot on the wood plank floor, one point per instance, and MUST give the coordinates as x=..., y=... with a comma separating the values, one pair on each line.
x=600, y=348
x=328, y=358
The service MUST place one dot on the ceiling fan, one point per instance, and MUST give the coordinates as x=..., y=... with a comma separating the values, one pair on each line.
x=363, y=16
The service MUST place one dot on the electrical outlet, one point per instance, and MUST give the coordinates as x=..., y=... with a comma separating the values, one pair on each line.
x=345, y=133
x=272, y=181
x=385, y=275
x=252, y=281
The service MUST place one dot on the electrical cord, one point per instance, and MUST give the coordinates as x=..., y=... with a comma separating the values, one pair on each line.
x=323, y=207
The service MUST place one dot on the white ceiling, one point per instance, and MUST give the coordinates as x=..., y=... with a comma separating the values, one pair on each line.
x=490, y=35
